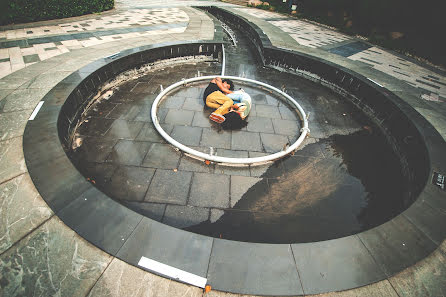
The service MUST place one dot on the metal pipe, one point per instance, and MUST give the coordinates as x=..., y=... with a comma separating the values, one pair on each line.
x=226, y=160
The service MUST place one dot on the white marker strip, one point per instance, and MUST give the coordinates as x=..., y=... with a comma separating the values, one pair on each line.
x=172, y=272
x=223, y=63
x=36, y=110
x=375, y=82
x=161, y=87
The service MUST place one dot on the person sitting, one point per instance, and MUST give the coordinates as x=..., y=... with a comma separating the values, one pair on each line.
x=215, y=96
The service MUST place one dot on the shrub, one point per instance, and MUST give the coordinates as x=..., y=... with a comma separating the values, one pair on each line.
x=23, y=11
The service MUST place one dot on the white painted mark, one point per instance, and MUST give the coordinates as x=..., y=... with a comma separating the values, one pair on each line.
x=223, y=63
x=36, y=110
x=172, y=272
x=161, y=87
x=375, y=82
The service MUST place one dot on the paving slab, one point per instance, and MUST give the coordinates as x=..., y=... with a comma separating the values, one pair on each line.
x=12, y=124
x=182, y=250
x=168, y=186
x=179, y=216
x=127, y=152
x=154, y=211
x=89, y=215
x=425, y=278
x=397, y=244
x=209, y=190
x=122, y=279
x=52, y=260
x=265, y=268
x=12, y=161
x=22, y=210
x=319, y=263
x=162, y=156
x=130, y=183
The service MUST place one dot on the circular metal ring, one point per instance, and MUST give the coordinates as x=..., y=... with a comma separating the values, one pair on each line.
x=226, y=160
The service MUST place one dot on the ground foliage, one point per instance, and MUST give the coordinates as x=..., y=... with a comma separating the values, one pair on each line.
x=23, y=11
x=407, y=26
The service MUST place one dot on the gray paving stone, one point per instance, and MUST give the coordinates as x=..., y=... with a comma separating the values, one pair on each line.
x=187, y=135
x=190, y=164
x=288, y=114
x=121, y=129
x=185, y=216
x=125, y=111
x=195, y=104
x=259, y=124
x=52, y=260
x=22, y=210
x=212, y=138
x=397, y=244
x=265, y=268
x=149, y=133
x=183, y=250
x=12, y=161
x=247, y=141
x=144, y=114
x=95, y=149
x=4, y=93
x=168, y=186
x=209, y=190
x=378, y=289
x=273, y=143
x=179, y=117
x=232, y=170
x=154, y=211
x=121, y=278
x=46, y=80
x=173, y=102
x=268, y=111
x=318, y=264
x=161, y=156
x=12, y=124
x=127, y=152
x=259, y=99
x=286, y=127
x=240, y=185
x=130, y=183
x=271, y=170
x=22, y=99
x=201, y=119
x=96, y=127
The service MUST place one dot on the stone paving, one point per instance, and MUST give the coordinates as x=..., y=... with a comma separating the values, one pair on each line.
x=314, y=36
x=40, y=256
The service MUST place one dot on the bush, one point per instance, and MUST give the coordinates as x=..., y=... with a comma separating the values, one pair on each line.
x=23, y=11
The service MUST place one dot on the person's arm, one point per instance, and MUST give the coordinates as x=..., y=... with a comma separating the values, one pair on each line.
x=220, y=85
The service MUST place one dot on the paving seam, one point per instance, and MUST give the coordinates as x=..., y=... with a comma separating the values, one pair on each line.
x=100, y=276
x=29, y=232
x=10, y=179
x=421, y=231
x=297, y=269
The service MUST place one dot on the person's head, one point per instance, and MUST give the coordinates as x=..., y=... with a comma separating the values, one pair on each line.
x=228, y=84
x=233, y=121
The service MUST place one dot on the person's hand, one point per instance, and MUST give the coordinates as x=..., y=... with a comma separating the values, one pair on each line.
x=235, y=107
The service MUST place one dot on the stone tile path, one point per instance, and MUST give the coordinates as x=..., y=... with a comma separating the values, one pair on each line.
x=432, y=85
x=23, y=47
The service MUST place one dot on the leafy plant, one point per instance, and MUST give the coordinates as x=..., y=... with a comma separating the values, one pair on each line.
x=23, y=11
